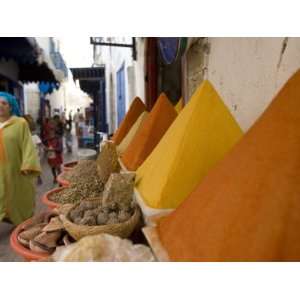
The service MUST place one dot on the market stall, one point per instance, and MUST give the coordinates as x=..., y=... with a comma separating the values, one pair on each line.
x=202, y=182
x=98, y=200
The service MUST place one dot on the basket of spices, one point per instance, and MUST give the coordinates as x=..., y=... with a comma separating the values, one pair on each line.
x=116, y=212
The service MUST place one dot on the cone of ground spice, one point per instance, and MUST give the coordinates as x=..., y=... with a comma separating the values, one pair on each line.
x=136, y=108
x=149, y=134
x=200, y=136
x=248, y=207
x=179, y=105
x=132, y=132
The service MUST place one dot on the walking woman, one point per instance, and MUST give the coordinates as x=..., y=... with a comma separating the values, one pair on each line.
x=19, y=164
x=55, y=153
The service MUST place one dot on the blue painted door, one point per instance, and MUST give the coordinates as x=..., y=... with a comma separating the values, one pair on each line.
x=121, y=94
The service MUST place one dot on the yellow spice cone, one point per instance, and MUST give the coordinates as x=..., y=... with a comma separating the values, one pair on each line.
x=130, y=135
x=179, y=105
x=201, y=135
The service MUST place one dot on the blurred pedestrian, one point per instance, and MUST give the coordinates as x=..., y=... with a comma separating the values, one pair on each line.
x=47, y=125
x=19, y=164
x=76, y=121
x=54, y=153
x=63, y=117
x=81, y=130
x=71, y=115
x=59, y=126
x=68, y=135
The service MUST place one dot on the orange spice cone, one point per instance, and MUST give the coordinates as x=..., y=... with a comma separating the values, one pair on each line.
x=132, y=132
x=248, y=207
x=149, y=134
x=137, y=107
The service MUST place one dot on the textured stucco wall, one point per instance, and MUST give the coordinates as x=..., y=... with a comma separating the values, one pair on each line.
x=247, y=72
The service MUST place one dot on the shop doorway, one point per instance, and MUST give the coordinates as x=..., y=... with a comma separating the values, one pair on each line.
x=161, y=77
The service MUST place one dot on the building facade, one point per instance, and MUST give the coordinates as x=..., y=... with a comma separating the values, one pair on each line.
x=124, y=76
x=247, y=72
x=37, y=95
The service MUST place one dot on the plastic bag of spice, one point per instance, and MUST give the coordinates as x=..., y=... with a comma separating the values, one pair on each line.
x=103, y=248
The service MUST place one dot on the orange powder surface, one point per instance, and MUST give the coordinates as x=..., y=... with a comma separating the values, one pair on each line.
x=149, y=134
x=248, y=207
x=137, y=107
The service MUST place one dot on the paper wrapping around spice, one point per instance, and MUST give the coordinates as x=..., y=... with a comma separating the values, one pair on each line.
x=107, y=161
x=198, y=139
x=132, y=132
x=147, y=211
x=149, y=134
x=137, y=107
x=54, y=224
x=248, y=207
x=179, y=105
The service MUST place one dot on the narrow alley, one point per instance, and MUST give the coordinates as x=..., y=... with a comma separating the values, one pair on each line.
x=179, y=154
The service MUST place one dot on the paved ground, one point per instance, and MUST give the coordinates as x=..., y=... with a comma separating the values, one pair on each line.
x=6, y=253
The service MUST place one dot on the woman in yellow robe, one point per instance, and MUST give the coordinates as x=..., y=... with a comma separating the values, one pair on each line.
x=18, y=163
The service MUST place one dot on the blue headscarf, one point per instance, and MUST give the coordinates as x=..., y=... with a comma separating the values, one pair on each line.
x=12, y=101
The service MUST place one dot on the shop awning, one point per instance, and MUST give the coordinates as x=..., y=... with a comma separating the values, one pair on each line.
x=33, y=66
x=88, y=73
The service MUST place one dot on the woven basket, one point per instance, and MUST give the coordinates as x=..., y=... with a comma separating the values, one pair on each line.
x=122, y=230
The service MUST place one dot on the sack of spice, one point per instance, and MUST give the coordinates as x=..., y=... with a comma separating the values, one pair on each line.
x=115, y=212
x=118, y=190
x=115, y=206
x=83, y=169
x=77, y=192
x=107, y=161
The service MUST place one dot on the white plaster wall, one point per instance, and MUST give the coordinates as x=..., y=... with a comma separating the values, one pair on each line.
x=69, y=97
x=246, y=73
x=32, y=100
x=44, y=43
x=113, y=58
x=139, y=69
x=131, y=83
x=57, y=99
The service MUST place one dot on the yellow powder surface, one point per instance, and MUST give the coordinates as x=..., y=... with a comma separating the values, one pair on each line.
x=179, y=105
x=200, y=136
